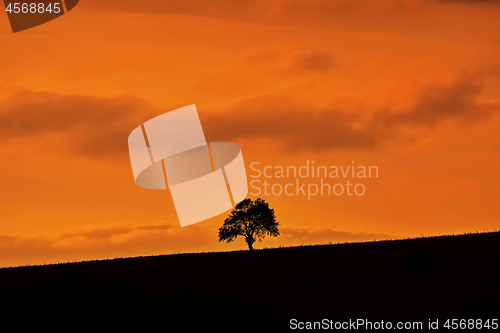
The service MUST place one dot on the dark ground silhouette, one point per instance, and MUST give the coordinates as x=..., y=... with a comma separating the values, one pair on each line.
x=406, y=280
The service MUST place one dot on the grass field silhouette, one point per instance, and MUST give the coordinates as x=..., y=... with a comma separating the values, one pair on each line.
x=446, y=277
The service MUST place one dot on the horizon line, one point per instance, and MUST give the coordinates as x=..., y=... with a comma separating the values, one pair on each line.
x=264, y=248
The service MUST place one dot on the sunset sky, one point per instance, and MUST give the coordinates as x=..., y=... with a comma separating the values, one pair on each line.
x=409, y=86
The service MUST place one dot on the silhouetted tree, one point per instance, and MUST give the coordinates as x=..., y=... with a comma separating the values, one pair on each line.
x=251, y=219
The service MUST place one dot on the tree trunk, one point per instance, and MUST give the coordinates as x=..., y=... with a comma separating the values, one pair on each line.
x=250, y=244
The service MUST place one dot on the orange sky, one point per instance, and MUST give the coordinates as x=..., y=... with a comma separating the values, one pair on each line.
x=412, y=87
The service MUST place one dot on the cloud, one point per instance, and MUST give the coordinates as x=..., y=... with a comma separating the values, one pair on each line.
x=436, y=103
x=290, y=59
x=300, y=127
x=254, y=10
x=305, y=236
x=268, y=67
x=90, y=126
x=99, y=242
x=129, y=239
x=243, y=9
x=471, y=1
x=432, y=19
x=365, y=15
x=295, y=126
x=99, y=127
x=318, y=61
